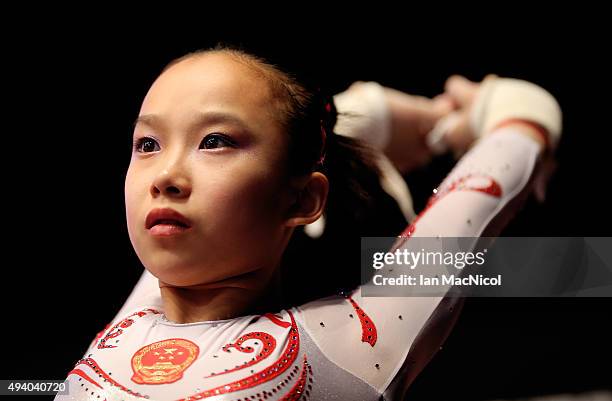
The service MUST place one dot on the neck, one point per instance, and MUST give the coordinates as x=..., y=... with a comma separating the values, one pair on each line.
x=225, y=299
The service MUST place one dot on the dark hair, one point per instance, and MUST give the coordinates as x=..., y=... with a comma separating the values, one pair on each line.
x=309, y=115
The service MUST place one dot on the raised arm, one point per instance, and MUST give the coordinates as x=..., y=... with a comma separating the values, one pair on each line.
x=386, y=341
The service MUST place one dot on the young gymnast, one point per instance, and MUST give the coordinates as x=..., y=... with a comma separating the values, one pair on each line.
x=230, y=156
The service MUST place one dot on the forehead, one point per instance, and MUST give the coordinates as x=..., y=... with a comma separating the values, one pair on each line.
x=212, y=82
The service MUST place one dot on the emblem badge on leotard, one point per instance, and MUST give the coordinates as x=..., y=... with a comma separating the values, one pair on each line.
x=164, y=361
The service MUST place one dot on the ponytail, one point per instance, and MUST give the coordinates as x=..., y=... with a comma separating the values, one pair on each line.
x=353, y=175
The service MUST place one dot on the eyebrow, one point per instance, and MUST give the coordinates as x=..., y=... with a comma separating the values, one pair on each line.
x=205, y=118
x=148, y=119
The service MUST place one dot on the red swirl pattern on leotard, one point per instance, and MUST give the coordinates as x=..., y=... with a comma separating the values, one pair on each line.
x=269, y=373
x=268, y=346
x=84, y=375
x=117, y=329
x=493, y=189
x=368, y=328
x=299, y=388
x=101, y=373
x=277, y=320
x=99, y=335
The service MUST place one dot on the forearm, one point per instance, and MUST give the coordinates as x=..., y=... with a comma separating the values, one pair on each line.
x=482, y=183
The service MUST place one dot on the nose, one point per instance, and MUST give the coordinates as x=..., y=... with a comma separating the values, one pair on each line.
x=171, y=182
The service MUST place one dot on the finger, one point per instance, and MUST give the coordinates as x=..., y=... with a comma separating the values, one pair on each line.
x=442, y=105
x=460, y=137
x=489, y=77
x=461, y=90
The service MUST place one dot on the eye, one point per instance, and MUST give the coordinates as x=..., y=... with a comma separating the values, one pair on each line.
x=146, y=145
x=216, y=140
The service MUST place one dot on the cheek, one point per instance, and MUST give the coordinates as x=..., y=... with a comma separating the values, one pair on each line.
x=134, y=194
x=248, y=202
x=242, y=216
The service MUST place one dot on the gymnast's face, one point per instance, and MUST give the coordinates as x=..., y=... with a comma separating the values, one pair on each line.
x=207, y=144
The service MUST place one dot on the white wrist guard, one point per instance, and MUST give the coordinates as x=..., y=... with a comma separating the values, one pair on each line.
x=363, y=114
x=502, y=99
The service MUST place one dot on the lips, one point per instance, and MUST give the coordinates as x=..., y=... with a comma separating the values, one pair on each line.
x=166, y=221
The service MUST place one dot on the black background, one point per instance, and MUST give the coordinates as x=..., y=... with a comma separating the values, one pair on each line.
x=72, y=91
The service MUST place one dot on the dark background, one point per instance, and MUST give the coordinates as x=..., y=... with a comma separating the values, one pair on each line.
x=72, y=91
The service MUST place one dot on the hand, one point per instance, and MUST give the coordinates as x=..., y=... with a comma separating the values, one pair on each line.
x=462, y=93
x=412, y=118
x=460, y=137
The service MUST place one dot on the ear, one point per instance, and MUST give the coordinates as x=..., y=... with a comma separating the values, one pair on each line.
x=309, y=201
